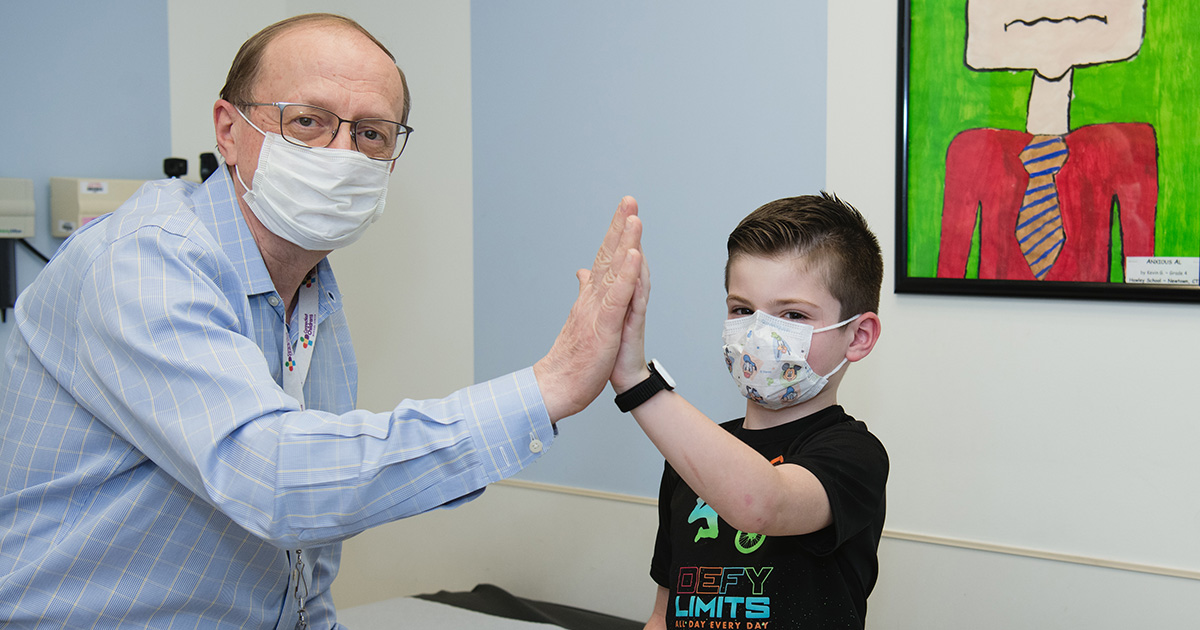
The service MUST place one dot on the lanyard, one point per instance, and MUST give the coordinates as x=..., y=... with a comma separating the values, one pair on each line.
x=299, y=357
x=300, y=582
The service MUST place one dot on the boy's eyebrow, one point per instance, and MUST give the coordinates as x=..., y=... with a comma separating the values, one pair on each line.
x=733, y=297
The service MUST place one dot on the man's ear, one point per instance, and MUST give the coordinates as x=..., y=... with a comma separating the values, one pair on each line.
x=224, y=115
x=866, y=332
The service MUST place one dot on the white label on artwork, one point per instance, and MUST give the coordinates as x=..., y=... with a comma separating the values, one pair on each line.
x=1162, y=270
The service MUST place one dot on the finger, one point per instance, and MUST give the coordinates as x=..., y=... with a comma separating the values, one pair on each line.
x=616, y=300
x=631, y=241
x=645, y=277
x=609, y=247
x=642, y=293
x=641, y=290
x=635, y=319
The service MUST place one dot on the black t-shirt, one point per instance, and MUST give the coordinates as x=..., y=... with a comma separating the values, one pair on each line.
x=719, y=577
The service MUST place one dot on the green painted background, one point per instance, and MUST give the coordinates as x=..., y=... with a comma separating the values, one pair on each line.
x=1159, y=86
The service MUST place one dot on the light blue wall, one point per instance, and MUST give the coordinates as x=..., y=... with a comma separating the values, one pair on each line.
x=702, y=110
x=85, y=94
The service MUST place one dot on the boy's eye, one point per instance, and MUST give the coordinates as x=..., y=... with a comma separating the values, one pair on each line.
x=793, y=315
x=740, y=311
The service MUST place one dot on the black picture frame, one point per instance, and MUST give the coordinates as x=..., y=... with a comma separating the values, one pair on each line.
x=909, y=281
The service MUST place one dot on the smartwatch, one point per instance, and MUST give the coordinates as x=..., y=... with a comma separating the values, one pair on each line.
x=640, y=393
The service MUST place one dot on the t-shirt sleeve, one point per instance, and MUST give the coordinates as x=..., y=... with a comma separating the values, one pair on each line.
x=852, y=465
x=660, y=565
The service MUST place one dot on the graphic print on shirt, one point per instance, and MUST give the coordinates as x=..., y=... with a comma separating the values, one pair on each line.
x=720, y=593
x=747, y=542
x=703, y=511
x=722, y=597
x=744, y=542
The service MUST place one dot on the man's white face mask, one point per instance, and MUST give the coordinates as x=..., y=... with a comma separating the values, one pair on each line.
x=318, y=198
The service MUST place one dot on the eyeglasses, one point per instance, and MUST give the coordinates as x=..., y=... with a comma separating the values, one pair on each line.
x=311, y=126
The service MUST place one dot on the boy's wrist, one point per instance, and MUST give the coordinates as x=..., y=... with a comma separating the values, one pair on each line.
x=624, y=380
x=652, y=379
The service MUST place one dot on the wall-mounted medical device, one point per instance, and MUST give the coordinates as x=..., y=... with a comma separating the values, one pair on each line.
x=16, y=222
x=75, y=201
x=16, y=208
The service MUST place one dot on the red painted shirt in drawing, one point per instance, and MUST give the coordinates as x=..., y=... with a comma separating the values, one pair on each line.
x=1106, y=164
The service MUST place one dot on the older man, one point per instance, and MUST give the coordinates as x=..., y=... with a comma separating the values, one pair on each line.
x=179, y=444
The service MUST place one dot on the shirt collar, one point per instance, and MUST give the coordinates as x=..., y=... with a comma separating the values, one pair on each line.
x=215, y=204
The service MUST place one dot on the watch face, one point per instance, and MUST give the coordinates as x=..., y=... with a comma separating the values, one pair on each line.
x=662, y=371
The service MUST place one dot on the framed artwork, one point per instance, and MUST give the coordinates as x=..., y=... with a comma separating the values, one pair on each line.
x=1049, y=149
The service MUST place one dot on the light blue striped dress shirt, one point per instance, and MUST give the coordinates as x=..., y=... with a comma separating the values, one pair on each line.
x=153, y=473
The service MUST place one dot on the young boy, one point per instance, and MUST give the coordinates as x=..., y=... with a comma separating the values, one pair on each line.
x=772, y=520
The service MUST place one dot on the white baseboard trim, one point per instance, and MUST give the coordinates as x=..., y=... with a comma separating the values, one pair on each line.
x=580, y=492
x=928, y=539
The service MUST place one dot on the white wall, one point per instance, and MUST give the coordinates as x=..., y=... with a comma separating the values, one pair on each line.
x=203, y=38
x=1098, y=460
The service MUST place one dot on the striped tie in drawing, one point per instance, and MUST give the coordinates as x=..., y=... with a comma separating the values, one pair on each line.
x=1039, y=223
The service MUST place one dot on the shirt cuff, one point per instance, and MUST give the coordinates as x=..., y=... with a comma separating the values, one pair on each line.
x=509, y=421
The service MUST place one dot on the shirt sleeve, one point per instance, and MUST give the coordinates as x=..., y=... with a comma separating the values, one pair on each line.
x=959, y=205
x=166, y=358
x=852, y=466
x=1136, y=186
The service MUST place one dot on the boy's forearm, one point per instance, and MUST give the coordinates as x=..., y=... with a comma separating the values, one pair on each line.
x=740, y=484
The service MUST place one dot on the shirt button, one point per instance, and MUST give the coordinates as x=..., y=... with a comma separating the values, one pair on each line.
x=273, y=300
x=535, y=446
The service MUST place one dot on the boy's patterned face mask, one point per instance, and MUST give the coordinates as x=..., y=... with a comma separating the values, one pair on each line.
x=768, y=359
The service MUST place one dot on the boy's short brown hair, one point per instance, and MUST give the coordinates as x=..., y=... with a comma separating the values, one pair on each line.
x=830, y=233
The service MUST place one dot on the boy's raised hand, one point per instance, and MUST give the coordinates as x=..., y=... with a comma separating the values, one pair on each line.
x=630, y=367
x=579, y=363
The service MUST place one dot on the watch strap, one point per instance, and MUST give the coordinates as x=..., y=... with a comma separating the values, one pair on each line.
x=630, y=399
